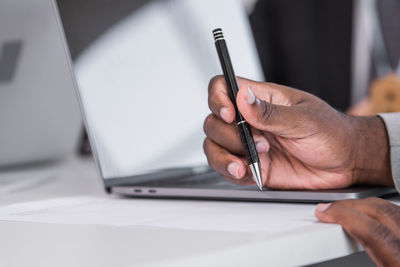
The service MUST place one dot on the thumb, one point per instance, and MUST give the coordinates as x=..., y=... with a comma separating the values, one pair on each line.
x=279, y=119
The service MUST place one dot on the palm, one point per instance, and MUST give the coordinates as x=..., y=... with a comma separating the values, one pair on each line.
x=303, y=163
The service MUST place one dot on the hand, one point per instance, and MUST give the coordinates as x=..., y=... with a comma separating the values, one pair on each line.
x=302, y=142
x=373, y=222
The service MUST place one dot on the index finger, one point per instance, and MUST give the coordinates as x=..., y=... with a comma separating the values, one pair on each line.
x=219, y=100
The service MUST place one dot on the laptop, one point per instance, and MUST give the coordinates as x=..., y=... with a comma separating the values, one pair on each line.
x=142, y=85
x=39, y=113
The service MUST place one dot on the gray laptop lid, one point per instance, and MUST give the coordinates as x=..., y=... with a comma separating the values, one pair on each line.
x=143, y=83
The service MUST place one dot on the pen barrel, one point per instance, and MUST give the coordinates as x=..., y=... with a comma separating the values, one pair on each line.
x=229, y=74
x=248, y=142
x=233, y=88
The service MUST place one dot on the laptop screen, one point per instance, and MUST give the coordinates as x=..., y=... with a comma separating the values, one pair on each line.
x=143, y=69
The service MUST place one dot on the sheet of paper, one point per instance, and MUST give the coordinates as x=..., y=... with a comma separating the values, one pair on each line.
x=268, y=218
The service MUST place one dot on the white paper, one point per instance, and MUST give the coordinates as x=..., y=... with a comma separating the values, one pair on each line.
x=269, y=218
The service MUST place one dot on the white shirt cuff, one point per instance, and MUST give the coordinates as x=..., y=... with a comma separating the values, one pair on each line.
x=392, y=122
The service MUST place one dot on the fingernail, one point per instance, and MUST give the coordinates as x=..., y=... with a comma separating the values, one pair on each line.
x=224, y=113
x=323, y=207
x=251, y=98
x=233, y=169
x=261, y=146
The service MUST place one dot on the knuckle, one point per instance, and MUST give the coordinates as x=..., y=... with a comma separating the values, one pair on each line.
x=207, y=123
x=389, y=210
x=380, y=232
x=267, y=111
x=384, y=208
x=215, y=81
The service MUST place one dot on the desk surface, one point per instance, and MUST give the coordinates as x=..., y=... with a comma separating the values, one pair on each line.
x=151, y=232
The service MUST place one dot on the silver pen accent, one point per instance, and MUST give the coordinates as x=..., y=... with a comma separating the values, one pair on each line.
x=255, y=169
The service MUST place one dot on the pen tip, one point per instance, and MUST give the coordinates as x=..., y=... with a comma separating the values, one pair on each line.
x=255, y=169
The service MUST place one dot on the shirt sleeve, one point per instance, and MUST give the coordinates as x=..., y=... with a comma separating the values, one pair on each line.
x=392, y=122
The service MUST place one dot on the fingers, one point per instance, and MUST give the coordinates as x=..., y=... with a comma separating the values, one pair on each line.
x=219, y=100
x=228, y=165
x=379, y=240
x=227, y=135
x=281, y=119
x=266, y=106
x=273, y=93
x=381, y=210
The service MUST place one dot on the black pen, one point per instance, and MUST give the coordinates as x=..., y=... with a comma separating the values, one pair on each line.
x=244, y=127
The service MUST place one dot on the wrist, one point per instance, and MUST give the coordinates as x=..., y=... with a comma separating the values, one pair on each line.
x=372, y=158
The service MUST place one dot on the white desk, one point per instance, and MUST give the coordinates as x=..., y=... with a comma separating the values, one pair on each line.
x=205, y=232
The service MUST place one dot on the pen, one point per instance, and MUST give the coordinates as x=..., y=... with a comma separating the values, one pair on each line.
x=244, y=127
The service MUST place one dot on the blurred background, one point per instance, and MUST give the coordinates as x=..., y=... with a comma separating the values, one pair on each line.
x=85, y=22
x=306, y=44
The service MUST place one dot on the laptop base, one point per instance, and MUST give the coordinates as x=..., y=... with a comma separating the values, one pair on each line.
x=253, y=194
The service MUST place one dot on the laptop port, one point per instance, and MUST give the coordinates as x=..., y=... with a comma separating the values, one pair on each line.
x=152, y=191
x=137, y=190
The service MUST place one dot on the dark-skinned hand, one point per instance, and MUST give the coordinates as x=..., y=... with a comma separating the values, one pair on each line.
x=373, y=222
x=303, y=143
